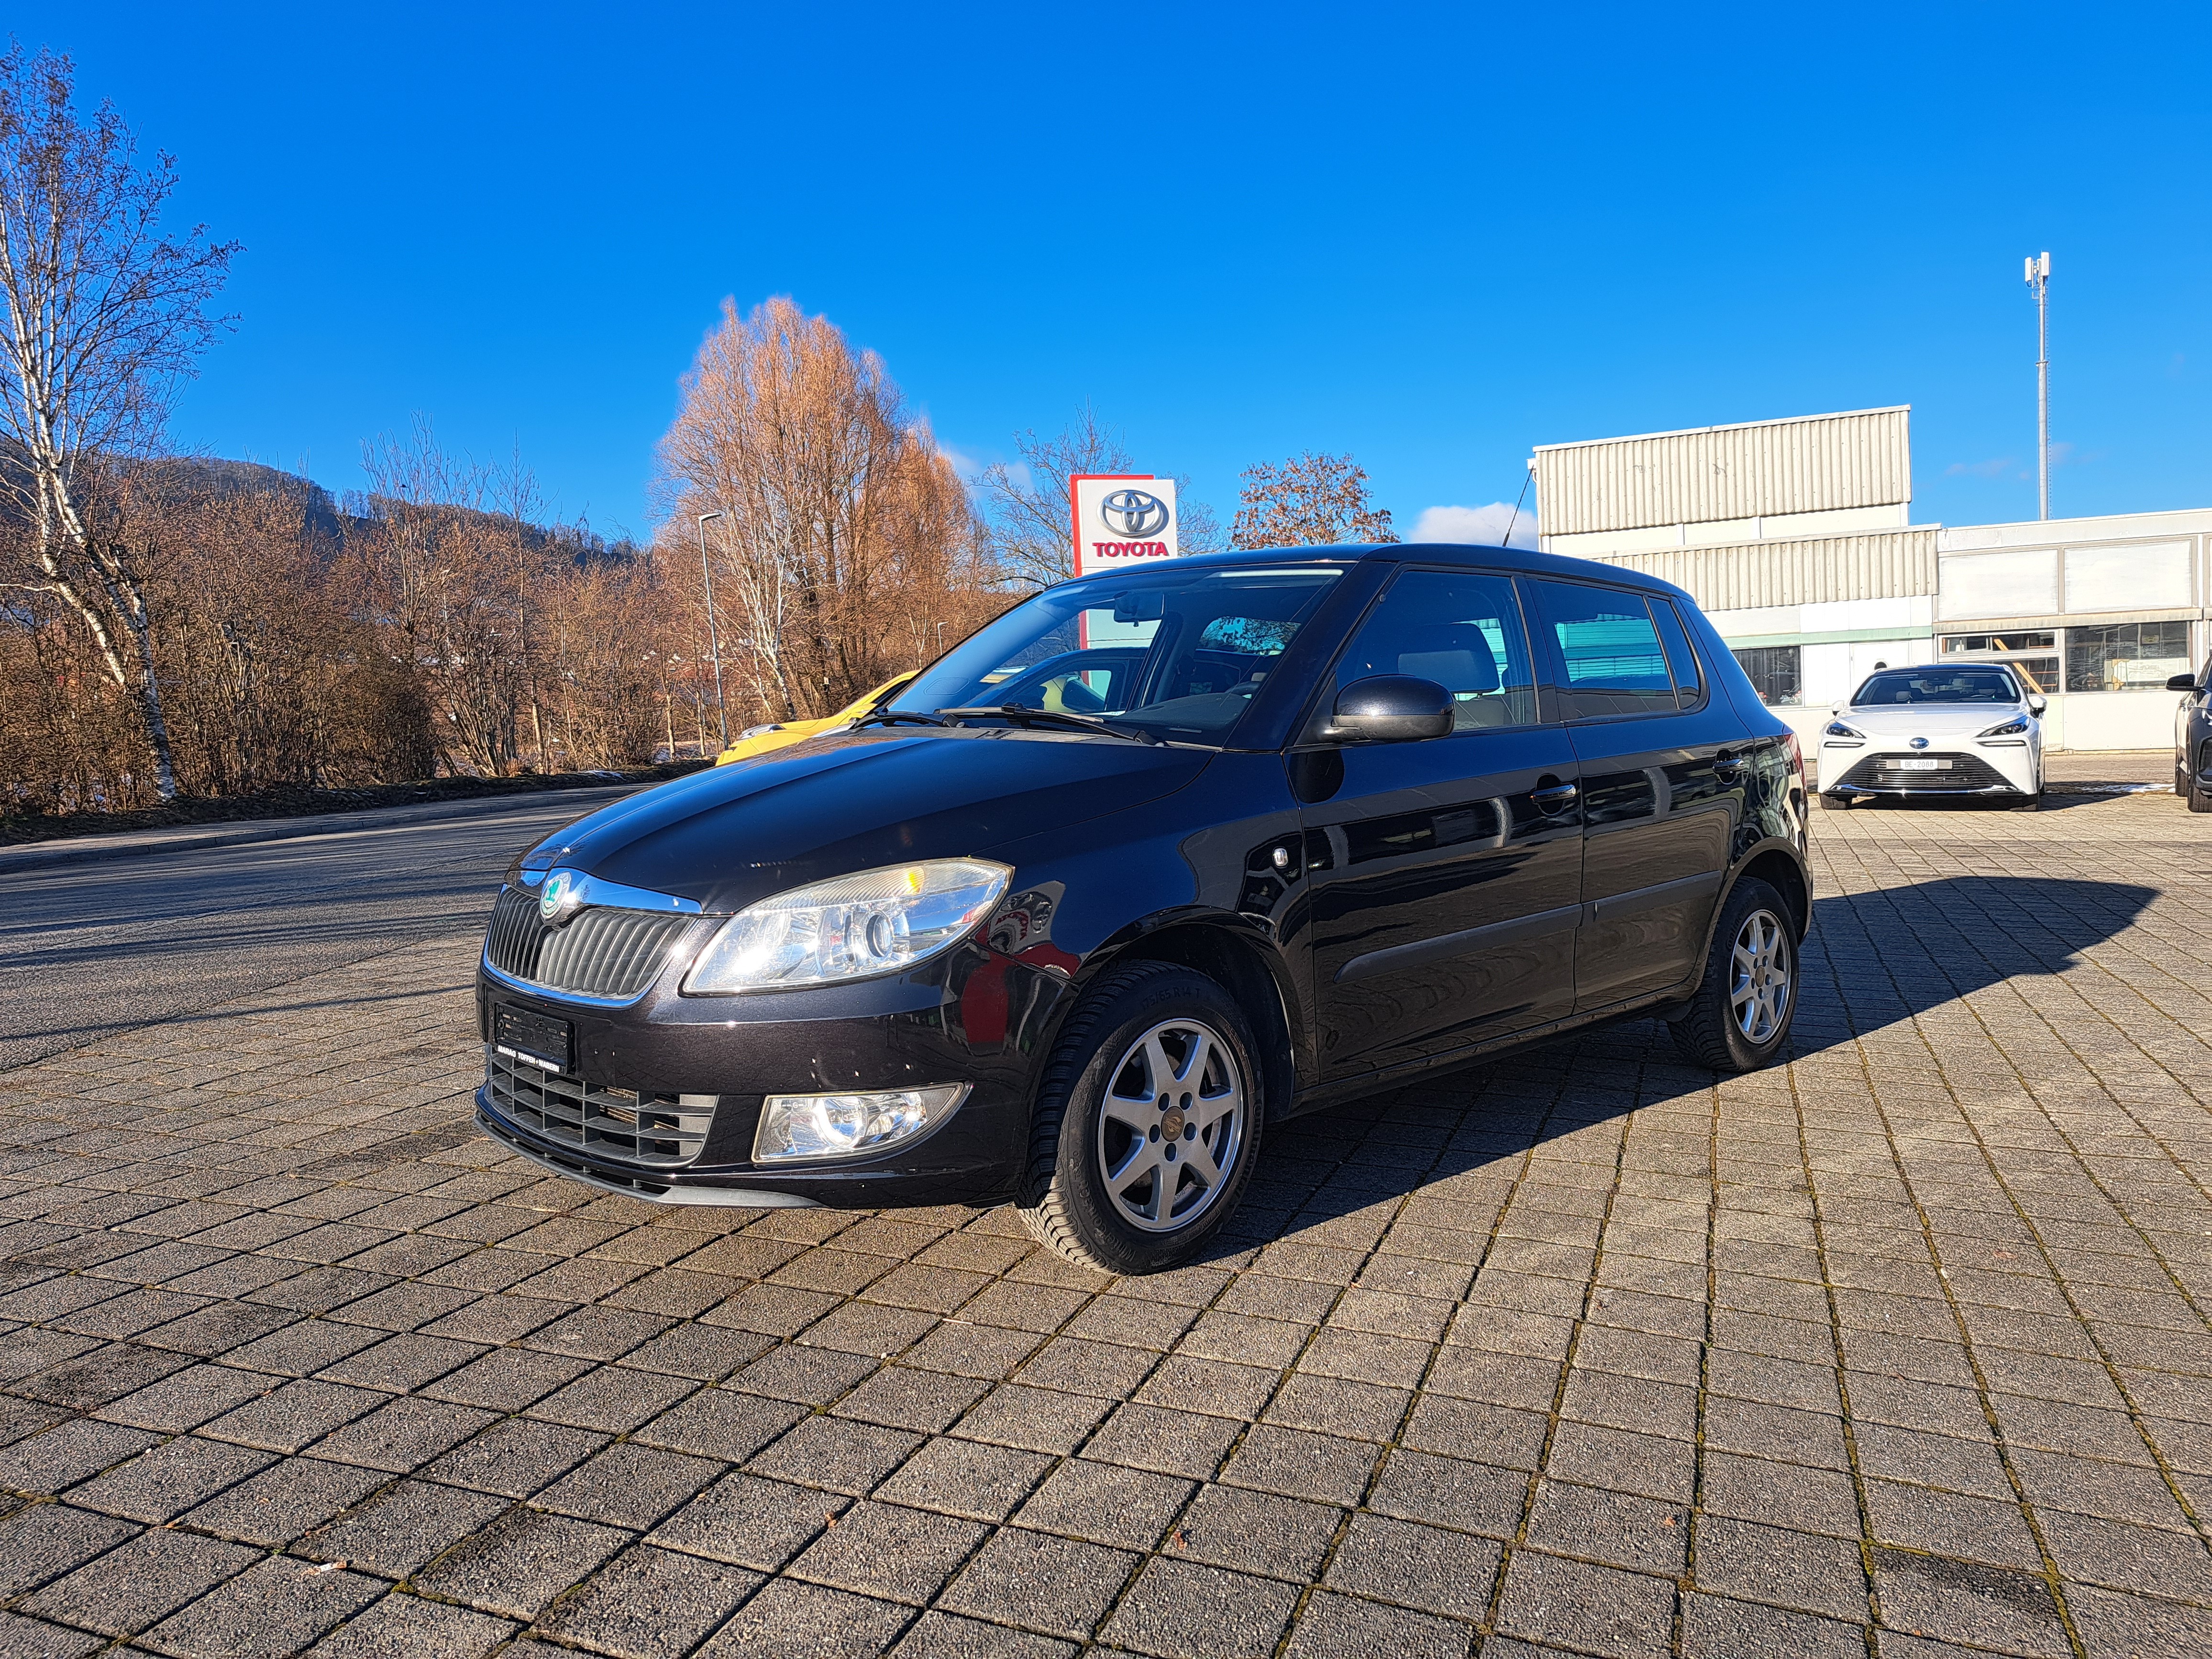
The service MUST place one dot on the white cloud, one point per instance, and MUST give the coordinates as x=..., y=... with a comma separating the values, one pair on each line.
x=962, y=462
x=1485, y=526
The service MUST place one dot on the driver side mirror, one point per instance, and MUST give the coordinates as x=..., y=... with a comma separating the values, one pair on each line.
x=2182, y=683
x=1391, y=709
x=2037, y=702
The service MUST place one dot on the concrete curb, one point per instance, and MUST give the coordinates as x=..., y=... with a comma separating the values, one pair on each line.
x=144, y=843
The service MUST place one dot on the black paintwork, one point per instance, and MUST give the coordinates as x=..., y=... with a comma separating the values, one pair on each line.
x=1379, y=909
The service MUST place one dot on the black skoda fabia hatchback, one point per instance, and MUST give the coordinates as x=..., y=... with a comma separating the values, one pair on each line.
x=1148, y=865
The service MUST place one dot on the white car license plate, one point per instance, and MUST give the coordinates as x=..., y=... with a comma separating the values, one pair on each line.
x=1930, y=764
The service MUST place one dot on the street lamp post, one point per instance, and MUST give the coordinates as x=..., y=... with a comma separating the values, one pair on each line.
x=714, y=634
x=2039, y=284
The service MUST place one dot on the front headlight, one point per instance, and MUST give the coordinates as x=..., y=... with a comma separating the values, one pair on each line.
x=2009, y=729
x=880, y=921
x=794, y=1127
x=1838, y=729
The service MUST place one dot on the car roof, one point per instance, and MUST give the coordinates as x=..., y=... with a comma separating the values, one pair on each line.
x=1522, y=561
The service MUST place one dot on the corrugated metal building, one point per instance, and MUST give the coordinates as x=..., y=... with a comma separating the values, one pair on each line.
x=1796, y=537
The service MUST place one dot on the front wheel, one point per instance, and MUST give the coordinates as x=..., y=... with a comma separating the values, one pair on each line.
x=1740, y=1015
x=1147, y=1123
x=2198, y=800
x=1834, y=803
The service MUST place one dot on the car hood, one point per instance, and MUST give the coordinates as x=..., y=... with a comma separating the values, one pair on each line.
x=1930, y=719
x=849, y=801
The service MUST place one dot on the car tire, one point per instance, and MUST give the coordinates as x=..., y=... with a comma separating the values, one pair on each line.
x=1715, y=1030
x=2198, y=800
x=1834, y=803
x=1097, y=1162
x=2029, y=803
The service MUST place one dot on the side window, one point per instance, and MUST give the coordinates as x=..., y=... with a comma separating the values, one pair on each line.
x=1680, y=657
x=1459, y=628
x=1610, y=661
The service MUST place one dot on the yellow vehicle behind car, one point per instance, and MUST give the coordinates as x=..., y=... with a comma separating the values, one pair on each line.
x=766, y=739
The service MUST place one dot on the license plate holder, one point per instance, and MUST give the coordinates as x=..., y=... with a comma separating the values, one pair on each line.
x=533, y=1038
x=1917, y=764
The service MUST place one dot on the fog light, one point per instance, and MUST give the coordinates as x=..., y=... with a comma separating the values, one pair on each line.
x=794, y=1126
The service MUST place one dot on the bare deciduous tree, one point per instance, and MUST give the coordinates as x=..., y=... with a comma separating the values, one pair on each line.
x=1310, y=500
x=1025, y=503
x=105, y=316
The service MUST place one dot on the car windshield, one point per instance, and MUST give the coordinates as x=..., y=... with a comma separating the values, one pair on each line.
x=1912, y=685
x=1177, y=655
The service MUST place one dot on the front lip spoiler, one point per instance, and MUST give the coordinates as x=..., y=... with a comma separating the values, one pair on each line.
x=639, y=1186
x=1986, y=789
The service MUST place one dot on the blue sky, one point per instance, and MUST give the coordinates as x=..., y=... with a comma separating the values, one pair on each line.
x=1432, y=236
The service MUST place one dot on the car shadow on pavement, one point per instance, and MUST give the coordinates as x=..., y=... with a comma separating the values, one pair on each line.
x=1872, y=960
x=2054, y=801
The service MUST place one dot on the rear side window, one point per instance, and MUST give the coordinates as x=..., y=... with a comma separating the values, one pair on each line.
x=1456, y=628
x=1680, y=659
x=1609, y=655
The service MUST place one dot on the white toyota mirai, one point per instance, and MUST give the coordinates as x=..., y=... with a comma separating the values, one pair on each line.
x=1961, y=731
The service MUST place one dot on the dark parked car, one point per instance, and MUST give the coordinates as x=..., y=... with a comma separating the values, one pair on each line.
x=2192, y=739
x=1342, y=816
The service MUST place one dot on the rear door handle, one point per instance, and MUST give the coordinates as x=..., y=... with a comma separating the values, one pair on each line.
x=1556, y=799
x=1729, y=766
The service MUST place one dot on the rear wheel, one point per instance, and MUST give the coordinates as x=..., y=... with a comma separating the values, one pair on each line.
x=1740, y=1015
x=1147, y=1124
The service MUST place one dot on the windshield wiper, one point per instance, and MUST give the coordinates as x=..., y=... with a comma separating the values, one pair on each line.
x=893, y=716
x=1018, y=714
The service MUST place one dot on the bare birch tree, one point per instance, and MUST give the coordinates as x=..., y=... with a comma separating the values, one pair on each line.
x=105, y=317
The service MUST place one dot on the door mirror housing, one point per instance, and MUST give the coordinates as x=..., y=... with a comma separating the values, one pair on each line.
x=2037, y=702
x=2182, y=683
x=1390, y=708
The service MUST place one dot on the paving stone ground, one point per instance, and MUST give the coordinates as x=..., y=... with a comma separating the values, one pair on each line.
x=1900, y=1349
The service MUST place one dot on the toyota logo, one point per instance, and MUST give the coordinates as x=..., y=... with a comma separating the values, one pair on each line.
x=1132, y=513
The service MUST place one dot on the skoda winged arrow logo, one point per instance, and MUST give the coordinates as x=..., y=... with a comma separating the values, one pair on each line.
x=561, y=897
x=1132, y=512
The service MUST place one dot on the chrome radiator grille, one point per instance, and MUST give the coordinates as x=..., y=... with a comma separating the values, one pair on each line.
x=1882, y=772
x=660, y=1131
x=600, y=953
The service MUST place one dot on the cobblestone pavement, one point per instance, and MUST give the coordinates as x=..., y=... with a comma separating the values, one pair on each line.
x=1899, y=1347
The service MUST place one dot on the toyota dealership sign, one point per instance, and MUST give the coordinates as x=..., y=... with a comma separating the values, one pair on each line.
x=1122, y=521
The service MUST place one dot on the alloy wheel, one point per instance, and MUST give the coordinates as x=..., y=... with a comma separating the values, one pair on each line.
x=1171, y=1126
x=1760, y=977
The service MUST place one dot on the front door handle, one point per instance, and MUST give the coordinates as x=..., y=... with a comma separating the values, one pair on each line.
x=1555, y=799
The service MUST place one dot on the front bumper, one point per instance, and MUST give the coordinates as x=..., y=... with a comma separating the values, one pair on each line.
x=1970, y=769
x=976, y=1016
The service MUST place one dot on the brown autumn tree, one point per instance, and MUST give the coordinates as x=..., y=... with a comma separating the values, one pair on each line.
x=450, y=562
x=844, y=533
x=271, y=677
x=1310, y=500
x=102, y=314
